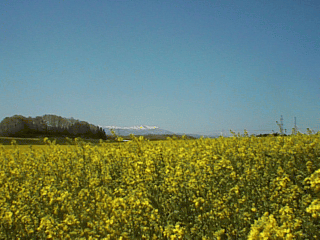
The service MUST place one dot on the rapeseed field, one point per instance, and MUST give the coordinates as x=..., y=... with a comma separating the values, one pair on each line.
x=242, y=187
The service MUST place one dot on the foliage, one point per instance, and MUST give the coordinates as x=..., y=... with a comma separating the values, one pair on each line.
x=227, y=188
x=49, y=125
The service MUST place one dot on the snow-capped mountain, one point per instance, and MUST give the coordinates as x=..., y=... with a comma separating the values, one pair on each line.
x=140, y=127
x=149, y=130
x=136, y=130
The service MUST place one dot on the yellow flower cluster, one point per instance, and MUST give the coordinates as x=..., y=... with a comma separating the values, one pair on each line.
x=226, y=188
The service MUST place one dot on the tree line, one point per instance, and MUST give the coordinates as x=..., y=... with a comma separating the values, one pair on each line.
x=49, y=125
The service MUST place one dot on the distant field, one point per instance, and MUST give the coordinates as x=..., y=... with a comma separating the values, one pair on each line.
x=39, y=141
x=21, y=141
x=13, y=138
x=64, y=141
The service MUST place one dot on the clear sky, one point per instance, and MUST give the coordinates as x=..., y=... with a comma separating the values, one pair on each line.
x=185, y=66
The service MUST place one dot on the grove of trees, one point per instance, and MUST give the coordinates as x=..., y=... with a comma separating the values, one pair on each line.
x=49, y=125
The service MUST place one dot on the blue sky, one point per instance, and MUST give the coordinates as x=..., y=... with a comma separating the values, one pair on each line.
x=185, y=66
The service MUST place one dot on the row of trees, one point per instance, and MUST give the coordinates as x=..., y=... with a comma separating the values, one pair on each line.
x=49, y=125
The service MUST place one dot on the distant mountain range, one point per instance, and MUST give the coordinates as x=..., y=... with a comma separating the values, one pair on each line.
x=142, y=130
